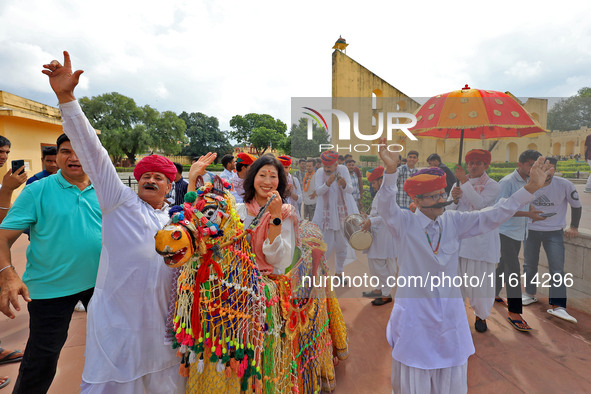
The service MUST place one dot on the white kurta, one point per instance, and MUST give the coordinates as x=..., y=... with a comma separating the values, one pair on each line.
x=428, y=328
x=382, y=252
x=279, y=254
x=127, y=313
x=479, y=255
x=331, y=199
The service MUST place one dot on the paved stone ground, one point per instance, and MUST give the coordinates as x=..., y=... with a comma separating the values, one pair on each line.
x=554, y=357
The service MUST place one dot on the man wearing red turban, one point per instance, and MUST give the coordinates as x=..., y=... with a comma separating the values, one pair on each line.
x=428, y=330
x=130, y=301
x=243, y=162
x=479, y=255
x=382, y=252
x=294, y=189
x=334, y=203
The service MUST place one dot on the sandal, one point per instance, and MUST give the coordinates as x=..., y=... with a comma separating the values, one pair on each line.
x=519, y=325
x=501, y=301
x=11, y=357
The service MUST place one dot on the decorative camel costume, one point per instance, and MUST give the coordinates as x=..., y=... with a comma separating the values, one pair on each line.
x=235, y=328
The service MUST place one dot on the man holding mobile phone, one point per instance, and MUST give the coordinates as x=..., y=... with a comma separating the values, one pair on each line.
x=12, y=180
x=552, y=200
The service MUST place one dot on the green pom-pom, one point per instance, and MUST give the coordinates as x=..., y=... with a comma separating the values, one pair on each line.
x=213, y=358
x=190, y=197
x=244, y=384
x=225, y=358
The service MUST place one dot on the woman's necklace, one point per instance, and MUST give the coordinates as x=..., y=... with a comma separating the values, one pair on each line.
x=436, y=250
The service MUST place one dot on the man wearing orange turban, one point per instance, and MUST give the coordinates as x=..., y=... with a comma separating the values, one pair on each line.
x=479, y=255
x=428, y=329
x=381, y=253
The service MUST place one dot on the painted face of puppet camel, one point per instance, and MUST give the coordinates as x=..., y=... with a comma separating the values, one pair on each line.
x=200, y=217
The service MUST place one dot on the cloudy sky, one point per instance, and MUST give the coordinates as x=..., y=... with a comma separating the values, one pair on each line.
x=234, y=57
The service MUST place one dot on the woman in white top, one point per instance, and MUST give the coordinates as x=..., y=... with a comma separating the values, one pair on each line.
x=274, y=239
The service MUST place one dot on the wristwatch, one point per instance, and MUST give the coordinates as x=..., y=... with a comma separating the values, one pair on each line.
x=276, y=221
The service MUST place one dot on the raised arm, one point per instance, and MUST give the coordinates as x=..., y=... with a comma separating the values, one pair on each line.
x=475, y=223
x=388, y=209
x=94, y=158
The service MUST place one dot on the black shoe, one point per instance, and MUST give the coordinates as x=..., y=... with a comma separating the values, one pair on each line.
x=381, y=301
x=480, y=325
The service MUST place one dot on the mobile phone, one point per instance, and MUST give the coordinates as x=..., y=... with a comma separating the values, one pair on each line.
x=547, y=215
x=16, y=164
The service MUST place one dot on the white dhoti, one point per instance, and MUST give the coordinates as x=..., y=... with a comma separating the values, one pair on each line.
x=410, y=380
x=382, y=269
x=167, y=381
x=480, y=292
x=344, y=253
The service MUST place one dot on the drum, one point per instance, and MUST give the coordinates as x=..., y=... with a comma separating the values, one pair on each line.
x=357, y=238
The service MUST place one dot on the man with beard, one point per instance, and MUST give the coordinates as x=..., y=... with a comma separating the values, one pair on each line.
x=126, y=351
x=334, y=203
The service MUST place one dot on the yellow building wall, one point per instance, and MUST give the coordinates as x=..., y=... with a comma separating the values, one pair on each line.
x=29, y=126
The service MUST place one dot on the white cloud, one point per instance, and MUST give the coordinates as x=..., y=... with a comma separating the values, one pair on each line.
x=235, y=57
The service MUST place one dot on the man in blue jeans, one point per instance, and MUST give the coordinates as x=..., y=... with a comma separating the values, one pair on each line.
x=64, y=216
x=511, y=234
x=552, y=199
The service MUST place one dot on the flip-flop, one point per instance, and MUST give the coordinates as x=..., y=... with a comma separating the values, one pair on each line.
x=501, y=301
x=7, y=359
x=515, y=324
x=2, y=385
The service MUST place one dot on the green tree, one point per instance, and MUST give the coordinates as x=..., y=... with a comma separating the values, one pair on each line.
x=260, y=130
x=571, y=113
x=298, y=144
x=127, y=129
x=204, y=135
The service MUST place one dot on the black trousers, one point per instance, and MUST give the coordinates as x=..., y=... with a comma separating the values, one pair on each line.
x=509, y=271
x=49, y=321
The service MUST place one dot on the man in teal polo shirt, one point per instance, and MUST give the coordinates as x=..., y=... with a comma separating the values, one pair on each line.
x=63, y=214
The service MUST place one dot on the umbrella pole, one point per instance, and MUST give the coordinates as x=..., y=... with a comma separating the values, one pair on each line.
x=461, y=147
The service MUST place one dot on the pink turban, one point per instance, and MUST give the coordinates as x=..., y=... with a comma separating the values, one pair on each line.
x=155, y=163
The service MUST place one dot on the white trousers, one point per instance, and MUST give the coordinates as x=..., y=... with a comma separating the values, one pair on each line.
x=167, y=381
x=410, y=380
x=335, y=241
x=383, y=269
x=588, y=185
x=481, y=294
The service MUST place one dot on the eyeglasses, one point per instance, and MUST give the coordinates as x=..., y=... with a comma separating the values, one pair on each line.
x=434, y=197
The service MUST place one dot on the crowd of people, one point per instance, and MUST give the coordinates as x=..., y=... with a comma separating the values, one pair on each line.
x=98, y=248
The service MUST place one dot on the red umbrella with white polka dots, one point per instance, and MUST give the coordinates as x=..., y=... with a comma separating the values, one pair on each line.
x=474, y=114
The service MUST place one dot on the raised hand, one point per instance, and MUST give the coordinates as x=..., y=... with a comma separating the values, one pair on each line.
x=538, y=174
x=391, y=159
x=61, y=78
x=198, y=168
x=13, y=181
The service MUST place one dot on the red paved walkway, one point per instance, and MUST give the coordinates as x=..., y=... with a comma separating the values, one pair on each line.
x=555, y=357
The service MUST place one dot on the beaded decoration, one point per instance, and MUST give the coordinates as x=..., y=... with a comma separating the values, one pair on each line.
x=234, y=328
